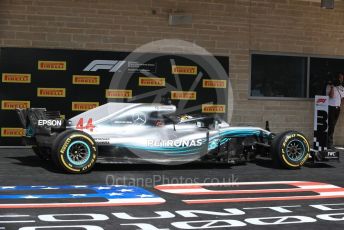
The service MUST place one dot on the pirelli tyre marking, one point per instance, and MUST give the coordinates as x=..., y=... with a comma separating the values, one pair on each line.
x=78, y=153
x=295, y=150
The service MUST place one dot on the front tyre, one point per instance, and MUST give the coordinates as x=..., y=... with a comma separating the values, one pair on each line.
x=290, y=149
x=74, y=152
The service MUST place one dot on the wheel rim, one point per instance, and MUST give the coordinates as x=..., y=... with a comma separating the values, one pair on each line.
x=295, y=150
x=78, y=153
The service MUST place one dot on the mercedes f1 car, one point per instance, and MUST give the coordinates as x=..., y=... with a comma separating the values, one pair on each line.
x=146, y=133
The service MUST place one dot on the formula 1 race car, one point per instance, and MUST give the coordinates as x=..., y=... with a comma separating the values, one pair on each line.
x=146, y=133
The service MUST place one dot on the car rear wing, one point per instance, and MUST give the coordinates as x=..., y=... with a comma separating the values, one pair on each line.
x=40, y=121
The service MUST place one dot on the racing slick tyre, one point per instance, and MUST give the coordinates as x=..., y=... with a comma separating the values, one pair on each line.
x=74, y=152
x=290, y=149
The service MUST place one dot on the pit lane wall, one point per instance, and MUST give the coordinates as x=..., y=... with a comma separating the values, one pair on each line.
x=225, y=28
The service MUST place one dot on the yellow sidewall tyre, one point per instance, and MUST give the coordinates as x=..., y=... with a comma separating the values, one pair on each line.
x=74, y=152
x=290, y=149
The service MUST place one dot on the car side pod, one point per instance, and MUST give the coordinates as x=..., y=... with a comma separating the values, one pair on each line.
x=290, y=149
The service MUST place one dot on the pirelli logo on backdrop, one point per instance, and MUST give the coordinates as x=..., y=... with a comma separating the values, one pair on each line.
x=16, y=77
x=12, y=105
x=214, y=83
x=118, y=93
x=86, y=80
x=151, y=81
x=83, y=106
x=183, y=95
x=51, y=92
x=210, y=108
x=183, y=69
x=52, y=65
x=12, y=132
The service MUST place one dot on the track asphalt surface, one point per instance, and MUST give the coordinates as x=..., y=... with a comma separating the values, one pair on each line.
x=211, y=204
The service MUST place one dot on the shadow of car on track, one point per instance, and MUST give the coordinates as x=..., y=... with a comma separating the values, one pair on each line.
x=158, y=167
x=318, y=165
x=268, y=163
x=34, y=161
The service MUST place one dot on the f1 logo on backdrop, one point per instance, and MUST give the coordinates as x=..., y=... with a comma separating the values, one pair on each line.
x=75, y=196
x=321, y=101
x=111, y=65
x=320, y=122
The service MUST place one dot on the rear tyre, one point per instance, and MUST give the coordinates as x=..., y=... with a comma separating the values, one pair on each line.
x=290, y=149
x=74, y=152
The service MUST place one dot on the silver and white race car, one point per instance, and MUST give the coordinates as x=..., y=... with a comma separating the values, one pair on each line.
x=152, y=133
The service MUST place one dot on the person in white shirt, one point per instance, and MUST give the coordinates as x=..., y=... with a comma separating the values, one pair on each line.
x=335, y=91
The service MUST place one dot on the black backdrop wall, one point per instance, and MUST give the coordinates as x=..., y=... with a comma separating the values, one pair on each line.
x=73, y=81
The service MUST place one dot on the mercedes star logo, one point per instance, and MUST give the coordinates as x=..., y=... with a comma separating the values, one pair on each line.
x=139, y=119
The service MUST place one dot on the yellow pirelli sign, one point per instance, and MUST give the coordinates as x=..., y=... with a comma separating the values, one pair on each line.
x=83, y=105
x=210, y=108
x=12, y=132
x=86, y=80
x=183, y=69
x=151, y=81
x=52, y=65
x=51, y=92
x=118, y=93
x=16, y=77
x=214, y=83
x=183, y=95
x=12, y=105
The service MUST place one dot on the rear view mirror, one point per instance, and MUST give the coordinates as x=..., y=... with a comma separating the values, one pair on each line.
x=200, y=124
x=216, y=124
